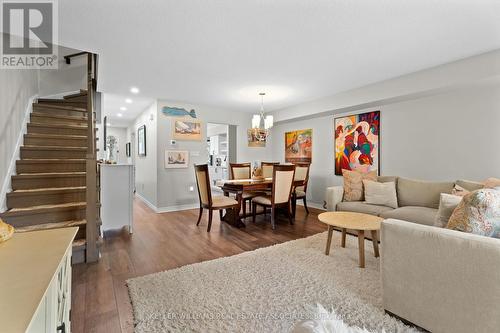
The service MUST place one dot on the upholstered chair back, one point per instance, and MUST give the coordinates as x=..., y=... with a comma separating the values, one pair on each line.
x=203, y=182
x=267, y=169
x=302, y=173
x=241, y=170
x=283, y=176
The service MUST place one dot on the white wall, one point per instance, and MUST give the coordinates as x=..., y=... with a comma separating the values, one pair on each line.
x=146, y=174
x=120, y=133
x=173, y=184
x=449, y=136
x=17, y=90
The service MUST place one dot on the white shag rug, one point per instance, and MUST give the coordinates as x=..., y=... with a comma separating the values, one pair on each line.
x=266, y=290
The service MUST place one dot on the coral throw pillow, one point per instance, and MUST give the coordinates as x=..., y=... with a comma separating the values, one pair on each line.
x=478, y=213
x=492, y=183
x=353, y=184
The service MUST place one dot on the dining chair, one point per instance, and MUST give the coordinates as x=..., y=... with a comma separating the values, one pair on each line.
x=299, y=192
x=243, y=171
x=208, y=201
x=267, y=168
x=283, y=176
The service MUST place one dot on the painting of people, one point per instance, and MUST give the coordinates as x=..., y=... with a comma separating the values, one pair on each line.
x=298, y=146
x=357, y=142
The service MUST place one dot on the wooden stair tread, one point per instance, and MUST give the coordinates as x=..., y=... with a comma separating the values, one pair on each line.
x=56, y=116
x=78, y=94
x=31, y=147
x=48, y=189
x=55, y=225
x=55, y=136
x=43, y=209
x=69, y=126
x=79, y=244
x=58, y=104
x=51, y=160
x=50, y=175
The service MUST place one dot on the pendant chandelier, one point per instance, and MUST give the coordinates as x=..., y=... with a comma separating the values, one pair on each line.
x=261, y=124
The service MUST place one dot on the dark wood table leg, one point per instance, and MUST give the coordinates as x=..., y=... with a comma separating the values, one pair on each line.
x=344, y=231
x=329, y=240
x=230, y=218
x=361, y=244
x=375, y=243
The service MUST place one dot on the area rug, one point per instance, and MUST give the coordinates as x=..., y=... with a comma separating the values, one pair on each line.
x=266, y=290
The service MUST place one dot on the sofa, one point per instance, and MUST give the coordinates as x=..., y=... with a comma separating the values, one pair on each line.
x=439, y=279
x=418, y=200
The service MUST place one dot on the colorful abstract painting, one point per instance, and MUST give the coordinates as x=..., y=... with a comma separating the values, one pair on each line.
x=298, y=146
x=357, y=142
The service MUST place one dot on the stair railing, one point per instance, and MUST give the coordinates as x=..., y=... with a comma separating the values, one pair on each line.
x=91, y=212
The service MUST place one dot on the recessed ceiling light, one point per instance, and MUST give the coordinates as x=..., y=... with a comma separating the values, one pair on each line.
x=128, y=101
x=119, y=115
x=123, y=108
x=134, y=90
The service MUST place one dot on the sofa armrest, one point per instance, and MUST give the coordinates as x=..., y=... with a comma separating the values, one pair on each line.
x=442, y=280
x=333, y=196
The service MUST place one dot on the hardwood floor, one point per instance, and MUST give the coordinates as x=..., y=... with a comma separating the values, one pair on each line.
x=100, y=301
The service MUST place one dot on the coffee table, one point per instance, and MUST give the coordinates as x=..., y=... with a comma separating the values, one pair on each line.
x=355, y=221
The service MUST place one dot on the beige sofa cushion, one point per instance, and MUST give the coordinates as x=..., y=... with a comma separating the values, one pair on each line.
x=353, y=184
x=383, y=194
x=362, y=207
x=387, y=179
x=469, y=185
x=421, y=193
x=447, y=205
x=416, y=214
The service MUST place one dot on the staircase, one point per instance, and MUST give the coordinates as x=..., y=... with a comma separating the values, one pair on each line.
x=49, y=189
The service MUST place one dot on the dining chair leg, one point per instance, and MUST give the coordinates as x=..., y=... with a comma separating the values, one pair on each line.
x=210, y=214
x=305, y=205
x=254, y=211
x=294, y=204
x=199, y=216
x=220, y=214
x=273, y=218
x=244, y=208
x=289, y=213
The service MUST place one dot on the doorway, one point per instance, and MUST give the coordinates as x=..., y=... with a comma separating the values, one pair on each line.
x=220, y=146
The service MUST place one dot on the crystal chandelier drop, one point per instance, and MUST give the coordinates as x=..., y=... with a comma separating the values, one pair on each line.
x=261, y=124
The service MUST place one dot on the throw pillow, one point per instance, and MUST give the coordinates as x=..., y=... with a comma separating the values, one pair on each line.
x=353, y=184
x=492, y=183
x=6, y=231
x=478, y=213
x=383, y=194
x=447, y=205
x=459, y=190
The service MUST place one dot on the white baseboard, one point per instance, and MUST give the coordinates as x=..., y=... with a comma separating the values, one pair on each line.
x=177, y=208
x=146, y=201
x=7, y=184
x=311, y=205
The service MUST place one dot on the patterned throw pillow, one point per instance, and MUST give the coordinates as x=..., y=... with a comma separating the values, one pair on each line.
x=459, y=191
x=478, y=213
x=353, y=184
x=492, y=183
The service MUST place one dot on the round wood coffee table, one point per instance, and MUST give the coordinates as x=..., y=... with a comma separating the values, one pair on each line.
x=355, y=221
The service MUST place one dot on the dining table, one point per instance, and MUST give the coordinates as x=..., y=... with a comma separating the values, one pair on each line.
x=238, y=186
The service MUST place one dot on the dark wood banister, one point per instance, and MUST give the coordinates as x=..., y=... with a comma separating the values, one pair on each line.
x=91, y=214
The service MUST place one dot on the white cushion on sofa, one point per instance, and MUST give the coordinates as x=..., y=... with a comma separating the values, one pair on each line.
x=383, y=194
x=447, y=205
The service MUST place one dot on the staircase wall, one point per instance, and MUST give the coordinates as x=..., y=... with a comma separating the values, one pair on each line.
x=18, y=88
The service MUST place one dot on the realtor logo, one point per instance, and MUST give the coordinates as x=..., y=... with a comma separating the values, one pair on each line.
x=29, y=34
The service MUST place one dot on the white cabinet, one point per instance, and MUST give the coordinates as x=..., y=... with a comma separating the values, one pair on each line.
x=36, y=274
x=117, y=193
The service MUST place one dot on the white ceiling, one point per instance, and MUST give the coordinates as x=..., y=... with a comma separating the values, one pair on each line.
x=112, y=103
x=224, y=52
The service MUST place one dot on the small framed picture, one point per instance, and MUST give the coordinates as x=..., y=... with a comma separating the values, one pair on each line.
x=127, y=149
x=176, y=159
x=141, y=140
x=186, y=129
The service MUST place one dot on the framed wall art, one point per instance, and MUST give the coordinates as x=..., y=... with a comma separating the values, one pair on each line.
x=175, y=159
x=186, y=129
x=298, y=146
x=357, y=142
x=141, y=140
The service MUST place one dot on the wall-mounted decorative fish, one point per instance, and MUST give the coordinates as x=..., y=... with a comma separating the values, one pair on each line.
x=177, y=112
